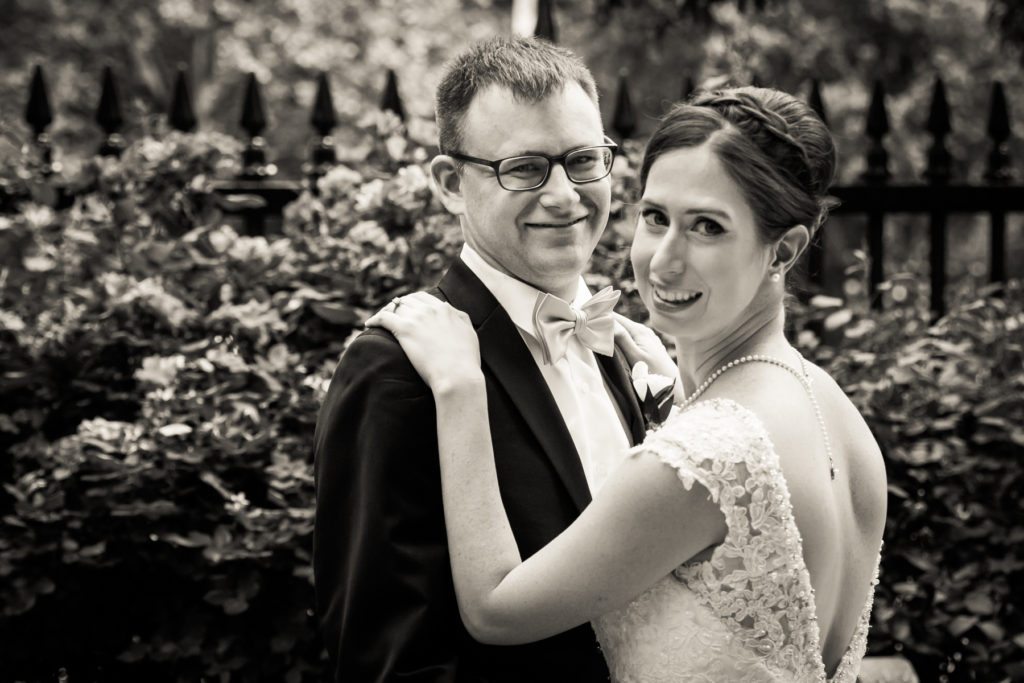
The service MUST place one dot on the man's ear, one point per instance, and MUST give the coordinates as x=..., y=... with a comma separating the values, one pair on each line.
x=446, y=182
x=789, y=248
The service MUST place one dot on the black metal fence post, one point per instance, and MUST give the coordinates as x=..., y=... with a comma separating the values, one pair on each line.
x=877, y=174
x=109, y=117
x=998, y=173
x=254, y=121
x=255, y=194
x=180, y=114
x=390, y=99
x=816, y=257
x=688, y=88
x=323, y=119
x=938, y=173
x=624, y=117
x=39, y=116
x=546, y=27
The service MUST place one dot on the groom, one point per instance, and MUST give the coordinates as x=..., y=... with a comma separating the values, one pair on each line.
x=560, y=414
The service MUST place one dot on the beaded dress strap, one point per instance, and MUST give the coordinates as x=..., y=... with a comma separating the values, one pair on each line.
x=804, y=379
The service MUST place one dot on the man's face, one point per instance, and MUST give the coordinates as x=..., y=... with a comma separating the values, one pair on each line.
x=545, y=236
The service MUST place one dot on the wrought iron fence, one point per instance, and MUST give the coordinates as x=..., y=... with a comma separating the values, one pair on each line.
x=875, y=196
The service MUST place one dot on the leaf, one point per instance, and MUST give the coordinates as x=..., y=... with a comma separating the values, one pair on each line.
x=240, y=202
x=7, y=424
x=993, y=630
x=980, y=603
x=38, y=264
x=176, y=429
x=822, y=301
x=94, y=550
x=921, y=561
x=235, y=605
x=194, y=540
x=961, y=624
x=336, y=313
x=907, y=589
x=836, y=320
x=901, y=630
x=898, y=492
x=218, y=596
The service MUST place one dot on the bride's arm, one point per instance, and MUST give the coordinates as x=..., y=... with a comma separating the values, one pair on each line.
x=643, y=524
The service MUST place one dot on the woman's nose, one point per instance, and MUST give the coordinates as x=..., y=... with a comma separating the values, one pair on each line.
x=670, y=256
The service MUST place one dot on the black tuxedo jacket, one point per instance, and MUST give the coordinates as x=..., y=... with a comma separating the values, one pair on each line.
x=384, y=591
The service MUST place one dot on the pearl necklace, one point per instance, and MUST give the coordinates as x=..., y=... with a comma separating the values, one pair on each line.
x=804, y=380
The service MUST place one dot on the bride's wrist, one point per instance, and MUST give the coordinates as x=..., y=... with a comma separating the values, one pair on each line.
x=463, y=385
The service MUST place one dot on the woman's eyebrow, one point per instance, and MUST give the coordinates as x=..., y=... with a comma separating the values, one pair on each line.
x=689, y=212
x=713, y=212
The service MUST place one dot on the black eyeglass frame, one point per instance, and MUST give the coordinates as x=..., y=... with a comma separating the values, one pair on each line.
x=495, y=165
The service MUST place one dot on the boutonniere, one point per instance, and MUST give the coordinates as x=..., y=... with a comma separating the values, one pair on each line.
x=654, y=392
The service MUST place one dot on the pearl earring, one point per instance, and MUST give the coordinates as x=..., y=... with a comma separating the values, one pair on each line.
x=776, y=277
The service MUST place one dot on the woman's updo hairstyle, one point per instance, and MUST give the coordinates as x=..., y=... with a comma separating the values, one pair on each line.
x=776, y=149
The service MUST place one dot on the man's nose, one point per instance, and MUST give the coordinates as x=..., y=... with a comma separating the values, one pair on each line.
x=559, y=192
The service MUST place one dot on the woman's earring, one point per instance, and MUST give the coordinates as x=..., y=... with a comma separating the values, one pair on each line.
x=776, y=277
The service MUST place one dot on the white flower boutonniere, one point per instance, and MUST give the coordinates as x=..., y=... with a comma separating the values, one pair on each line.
x=654, y=392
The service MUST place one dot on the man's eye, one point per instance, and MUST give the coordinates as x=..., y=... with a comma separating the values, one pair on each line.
x=584, y=160
x=708, y=227
x=523, y=168
x=654, y=217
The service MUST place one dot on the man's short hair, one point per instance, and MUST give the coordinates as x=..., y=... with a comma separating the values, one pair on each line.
x=531, y=68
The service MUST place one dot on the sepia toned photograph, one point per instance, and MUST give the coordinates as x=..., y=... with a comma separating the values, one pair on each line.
x=511, y=341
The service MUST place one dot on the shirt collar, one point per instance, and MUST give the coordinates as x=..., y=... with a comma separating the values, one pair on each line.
x=515, y=296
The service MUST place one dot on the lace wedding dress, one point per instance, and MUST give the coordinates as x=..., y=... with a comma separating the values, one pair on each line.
x=747, y=613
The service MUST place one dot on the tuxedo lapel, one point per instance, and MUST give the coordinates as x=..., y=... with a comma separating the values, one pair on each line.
x=504, y=353
x=621, y=386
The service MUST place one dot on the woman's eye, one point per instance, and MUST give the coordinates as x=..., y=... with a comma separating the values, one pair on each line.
x=654, y=217
x=708, y=227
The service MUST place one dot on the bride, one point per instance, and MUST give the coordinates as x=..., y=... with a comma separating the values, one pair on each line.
x=741, y=540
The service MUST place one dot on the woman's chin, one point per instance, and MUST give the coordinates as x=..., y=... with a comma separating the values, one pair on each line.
x=669, y=324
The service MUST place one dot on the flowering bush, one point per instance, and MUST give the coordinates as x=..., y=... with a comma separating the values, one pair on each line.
x=946, y=403
x=160, y=377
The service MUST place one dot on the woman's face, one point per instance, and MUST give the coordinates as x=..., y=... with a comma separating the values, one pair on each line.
x=701, y=266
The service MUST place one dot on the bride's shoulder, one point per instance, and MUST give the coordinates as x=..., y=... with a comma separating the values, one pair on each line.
x=776, y=398
x=717, y=427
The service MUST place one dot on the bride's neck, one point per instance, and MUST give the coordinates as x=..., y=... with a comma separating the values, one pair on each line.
x=758, y=334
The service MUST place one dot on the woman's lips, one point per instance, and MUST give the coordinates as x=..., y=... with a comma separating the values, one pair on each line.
x=673, y=305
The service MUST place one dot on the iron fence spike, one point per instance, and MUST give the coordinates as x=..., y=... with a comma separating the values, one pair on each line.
x=180, y=114
x=38, y=114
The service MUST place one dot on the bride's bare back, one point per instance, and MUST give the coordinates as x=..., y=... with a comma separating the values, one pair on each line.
x=840, y=522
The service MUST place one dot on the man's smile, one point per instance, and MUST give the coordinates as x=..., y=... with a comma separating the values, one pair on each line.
x=556, y=224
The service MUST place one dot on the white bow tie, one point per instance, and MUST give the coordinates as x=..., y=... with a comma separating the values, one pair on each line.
x=555, y=322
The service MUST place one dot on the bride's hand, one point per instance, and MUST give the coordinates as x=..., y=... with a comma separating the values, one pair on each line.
x=640, y=343
x=439, y=340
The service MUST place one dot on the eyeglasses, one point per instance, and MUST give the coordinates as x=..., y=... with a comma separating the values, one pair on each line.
x=518, y=174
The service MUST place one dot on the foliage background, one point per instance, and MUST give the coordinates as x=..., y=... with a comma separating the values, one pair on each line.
x=160, y=374
x=655, y=44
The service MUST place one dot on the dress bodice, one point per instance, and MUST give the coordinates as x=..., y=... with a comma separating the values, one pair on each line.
x=747, y=613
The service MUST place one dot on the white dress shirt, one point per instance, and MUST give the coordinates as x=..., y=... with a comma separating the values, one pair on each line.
x=594, y=422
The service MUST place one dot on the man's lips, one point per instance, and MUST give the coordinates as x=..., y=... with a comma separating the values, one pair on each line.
x=555, y=224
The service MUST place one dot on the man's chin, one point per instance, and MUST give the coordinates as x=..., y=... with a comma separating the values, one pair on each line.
x=548, y=274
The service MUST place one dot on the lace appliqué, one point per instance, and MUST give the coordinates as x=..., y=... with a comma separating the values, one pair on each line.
x=755, y=584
